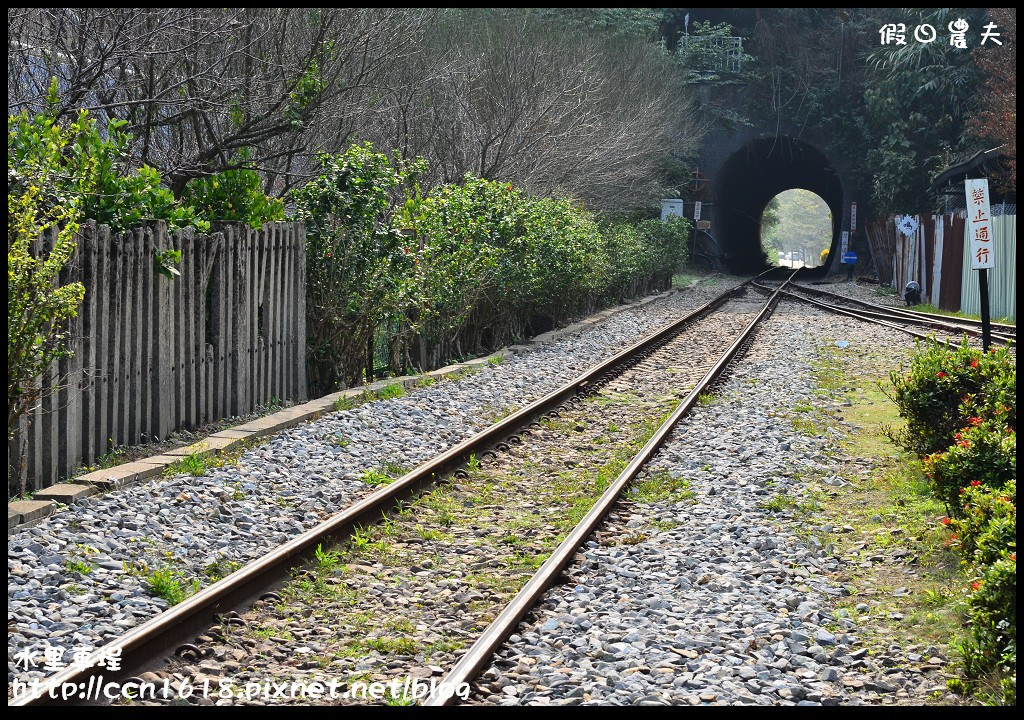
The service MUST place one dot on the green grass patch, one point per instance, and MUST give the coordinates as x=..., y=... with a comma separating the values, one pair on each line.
x=195, y=464
x=780, y=503
x=391, y=391
x=349, y=402
x=375, y=477
x=661, y=487
x=707, y=399
x=932, y=310
x=170, y=584
x=80, y=566
x=393, y=645
x=891, y=511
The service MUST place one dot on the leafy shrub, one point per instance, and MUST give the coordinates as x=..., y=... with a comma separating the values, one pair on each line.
x=947, y=385
x=493, y=259
x=473, y=266
x=983, y=454
x=358, y=267
x=38, y=306
x=233, y=196
x=987, y=525
x=992, y=607
x=90, y=170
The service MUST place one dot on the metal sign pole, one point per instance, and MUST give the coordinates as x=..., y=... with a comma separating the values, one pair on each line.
x=981, y=238
x=986, y=320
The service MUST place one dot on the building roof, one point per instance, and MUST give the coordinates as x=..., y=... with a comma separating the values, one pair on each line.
x=972, y=167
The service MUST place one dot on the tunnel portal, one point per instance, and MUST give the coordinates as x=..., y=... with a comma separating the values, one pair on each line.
x=747, y=182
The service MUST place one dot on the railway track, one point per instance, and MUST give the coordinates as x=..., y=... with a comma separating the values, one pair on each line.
x=895, y=318
x=652, y=363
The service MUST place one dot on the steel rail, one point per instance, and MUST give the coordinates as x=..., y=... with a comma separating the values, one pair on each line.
x=872, y=317
x=930, y=321
x=156, y=637
x=481, y=652
x=1002, y=328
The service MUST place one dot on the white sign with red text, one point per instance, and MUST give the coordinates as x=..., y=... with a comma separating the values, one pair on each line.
x=979, y=224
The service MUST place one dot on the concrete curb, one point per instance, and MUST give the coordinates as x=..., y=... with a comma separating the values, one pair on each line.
x=22, y=514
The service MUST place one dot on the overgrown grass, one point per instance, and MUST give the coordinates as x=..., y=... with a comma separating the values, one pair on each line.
x=932, y=310
x=195, y=464
x=891, y=511
x=391, y=391
x=170, y=584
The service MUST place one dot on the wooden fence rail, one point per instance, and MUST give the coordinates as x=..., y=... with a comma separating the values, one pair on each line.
x=153, y=354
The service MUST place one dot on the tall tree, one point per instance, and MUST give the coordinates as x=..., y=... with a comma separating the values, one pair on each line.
x=997, y=121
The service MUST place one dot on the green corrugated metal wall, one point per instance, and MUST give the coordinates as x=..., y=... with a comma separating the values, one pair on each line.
x=1002, y=279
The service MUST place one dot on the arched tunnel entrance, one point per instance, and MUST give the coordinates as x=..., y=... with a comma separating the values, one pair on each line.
x=755, y=174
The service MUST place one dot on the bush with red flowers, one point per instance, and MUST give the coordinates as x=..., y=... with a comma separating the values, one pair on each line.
x=982, y=454
x=961, y=410
x=945, y=386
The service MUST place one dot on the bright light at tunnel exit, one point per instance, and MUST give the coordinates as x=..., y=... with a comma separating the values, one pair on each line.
x=796, y=229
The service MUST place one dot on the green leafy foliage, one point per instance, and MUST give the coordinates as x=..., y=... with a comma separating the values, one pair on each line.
x=917, y=99
x=357, y=265
x=466, y=267
x=90, y=170
x=166, y=261
x=974, y=472
x=38, y=304
x=984, y=454
x=233, y=196
x=992, y=645
x=986, y=526
x=945, y=386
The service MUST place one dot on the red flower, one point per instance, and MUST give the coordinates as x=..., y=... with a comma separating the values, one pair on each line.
x=975, y=421
x=945, y=521
x=953, y=536
x=974, y=362
x=976, y=585
x=964, y=443
x=940, y=374
x=956, y=436
x=1013, y=556
x=975, y=483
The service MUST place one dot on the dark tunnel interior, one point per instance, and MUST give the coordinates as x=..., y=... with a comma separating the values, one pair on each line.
x=748, y=181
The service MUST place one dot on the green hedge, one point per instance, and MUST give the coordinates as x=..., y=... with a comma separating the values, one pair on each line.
x=462, y=269
x=960, y=406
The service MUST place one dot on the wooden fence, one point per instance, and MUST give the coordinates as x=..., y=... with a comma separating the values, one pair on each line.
x=932, y=256
x=936, y=256
x=153, y=354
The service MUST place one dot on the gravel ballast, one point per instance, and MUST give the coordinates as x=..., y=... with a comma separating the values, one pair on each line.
x=725, y=597
x=78, y=579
